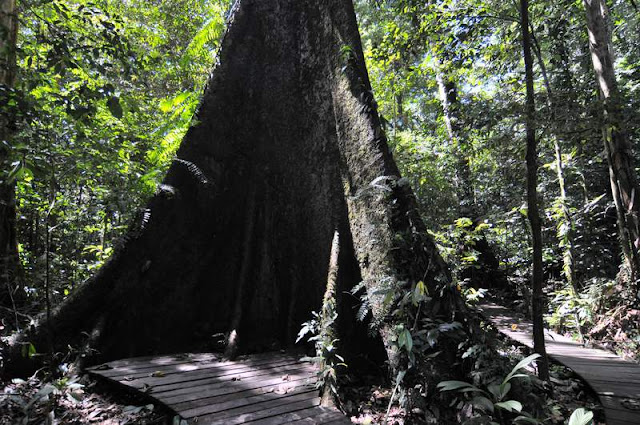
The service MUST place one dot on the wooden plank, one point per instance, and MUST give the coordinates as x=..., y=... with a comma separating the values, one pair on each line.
x=612, y=378
x=199, y=374
x=274, y=388
x=231, y=387
x=317, y=414
x=187, y=366
x=608, y=362
x=311, y=416
x=344, y=421
x=248, y=379
x=151, y=362
x=136, y=363
x=623, y=404
x=185, y=386
x=259, y=402
x=256, y=411
x=264, y=393
x=236, y=390
x=616, y=417
x=190, y=369
x=253, y=392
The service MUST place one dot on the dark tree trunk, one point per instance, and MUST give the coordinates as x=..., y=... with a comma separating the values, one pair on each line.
x=286, y=150
x=624, y=183
x=10, y=271
x=532, y=197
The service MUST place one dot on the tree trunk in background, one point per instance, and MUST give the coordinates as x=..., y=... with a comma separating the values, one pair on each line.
x=624, y=184
x=451, y=113
x=286, y=149
x=9, y=260
x=486, y=273
x=532, y=197
x=565, y=225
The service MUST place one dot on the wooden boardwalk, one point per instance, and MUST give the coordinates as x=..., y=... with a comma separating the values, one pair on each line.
x=265, y=389
x=615, y=381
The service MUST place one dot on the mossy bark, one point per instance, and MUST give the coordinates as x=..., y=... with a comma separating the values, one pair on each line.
x=285, y=150
x=618, y=148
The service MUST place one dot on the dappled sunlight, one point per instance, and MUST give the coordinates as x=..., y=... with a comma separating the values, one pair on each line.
x=206, y=389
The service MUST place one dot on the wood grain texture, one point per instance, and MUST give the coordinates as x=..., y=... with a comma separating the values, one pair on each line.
x=264, y=389
x=615, y=380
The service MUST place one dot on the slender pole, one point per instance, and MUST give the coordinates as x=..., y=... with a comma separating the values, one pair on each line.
x=532, y=197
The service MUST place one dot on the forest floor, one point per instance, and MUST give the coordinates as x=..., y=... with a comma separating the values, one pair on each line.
x=75, y=401
x=367, y=401
x=365, y=398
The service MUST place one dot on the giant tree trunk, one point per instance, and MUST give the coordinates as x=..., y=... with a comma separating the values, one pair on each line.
x=532, y=197
x=624, y=183
x=286, y=149
x=9, y=261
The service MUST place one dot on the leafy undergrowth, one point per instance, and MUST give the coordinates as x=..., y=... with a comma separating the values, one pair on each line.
x=75, y=401
x=618, y=331
x=604, y=307
x=366, y=399
x=566, y=393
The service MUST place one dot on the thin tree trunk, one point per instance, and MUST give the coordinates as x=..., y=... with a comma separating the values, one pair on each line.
x=532, y=197
x=624, y=183
x=451, y=113
x=565, y=222
x=10, y=271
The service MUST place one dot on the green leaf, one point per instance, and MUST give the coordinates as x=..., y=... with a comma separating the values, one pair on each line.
x=499, y=391
x=528, y=420
x=453, y=385
x=28, y=350
x=419, y=293
x=114, y=106
x=482, y=403
x=581, y=416
x=510, y=405
x=524, y=362
x=408, y=340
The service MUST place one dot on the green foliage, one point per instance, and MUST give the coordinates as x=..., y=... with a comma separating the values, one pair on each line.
x=104, y=92
x=489, y=401
x=65, y=389
x=581, y=416
x=320, y=332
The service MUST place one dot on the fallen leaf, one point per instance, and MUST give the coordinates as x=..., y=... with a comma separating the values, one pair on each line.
x=103, y=367
x=631, y=404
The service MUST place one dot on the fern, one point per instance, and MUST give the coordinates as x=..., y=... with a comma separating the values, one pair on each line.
x=193, y=170
x=207, y=38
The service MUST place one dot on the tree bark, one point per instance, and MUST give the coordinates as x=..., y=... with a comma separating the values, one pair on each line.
x=624, y=183
x=10, y=271
x=532, y=197
x=286, y=149
x=565, y=224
